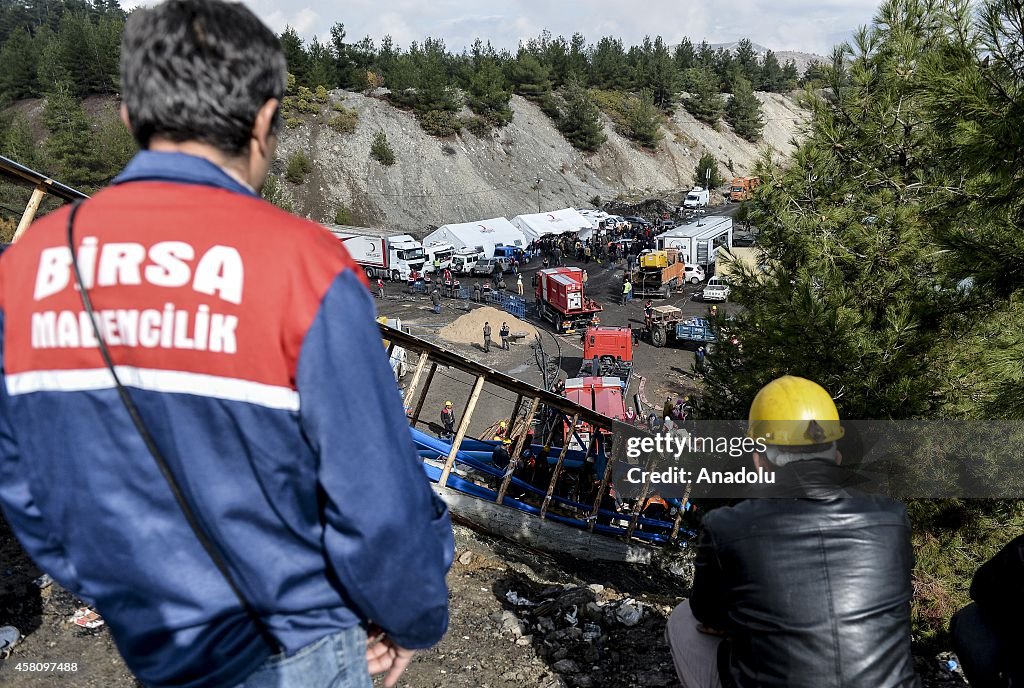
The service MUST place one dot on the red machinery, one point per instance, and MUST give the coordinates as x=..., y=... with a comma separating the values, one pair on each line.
x=561, y=301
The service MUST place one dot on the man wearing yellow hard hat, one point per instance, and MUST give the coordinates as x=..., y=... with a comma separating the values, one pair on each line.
x=809, y=587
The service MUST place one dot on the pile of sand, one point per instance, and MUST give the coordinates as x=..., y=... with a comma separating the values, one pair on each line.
x=469, y=328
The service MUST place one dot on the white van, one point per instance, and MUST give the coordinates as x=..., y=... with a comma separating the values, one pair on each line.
x=694, y=274
x=697, y=198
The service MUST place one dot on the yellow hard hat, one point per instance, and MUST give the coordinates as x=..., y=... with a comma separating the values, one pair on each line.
x=507, y=440
x=792, y=411
x=502, y=425
x=448, y=403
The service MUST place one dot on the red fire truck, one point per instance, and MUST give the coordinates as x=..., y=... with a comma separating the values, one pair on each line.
x=607, y=352
x=561, y=301
x=601, y=394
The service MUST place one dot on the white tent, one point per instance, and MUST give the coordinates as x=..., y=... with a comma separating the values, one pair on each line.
x=538, y=225
x=483, y=235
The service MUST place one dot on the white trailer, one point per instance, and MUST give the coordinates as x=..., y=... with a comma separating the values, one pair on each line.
x=698, y=241
x=380, y=254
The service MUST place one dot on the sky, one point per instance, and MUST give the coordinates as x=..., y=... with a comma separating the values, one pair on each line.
x=813, y=26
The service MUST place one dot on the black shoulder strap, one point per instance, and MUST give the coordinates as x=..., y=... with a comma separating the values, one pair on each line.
x=147, y=438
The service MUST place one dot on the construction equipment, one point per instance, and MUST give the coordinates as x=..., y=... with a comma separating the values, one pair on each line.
x=658, y=273
x=667, y=324
x=743, y=188
x=608, y=352
x=561, y=301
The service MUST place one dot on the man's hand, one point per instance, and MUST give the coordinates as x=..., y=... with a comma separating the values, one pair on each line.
x=383, y=655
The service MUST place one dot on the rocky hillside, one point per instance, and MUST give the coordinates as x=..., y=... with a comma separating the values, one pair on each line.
x=464, y=177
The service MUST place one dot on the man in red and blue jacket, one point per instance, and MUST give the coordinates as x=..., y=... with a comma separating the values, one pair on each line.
x=247, y=339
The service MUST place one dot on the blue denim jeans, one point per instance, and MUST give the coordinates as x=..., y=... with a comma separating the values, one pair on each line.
x=334, y=661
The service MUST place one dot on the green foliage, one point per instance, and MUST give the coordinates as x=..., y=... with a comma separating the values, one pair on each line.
x=346, y=121
x=700, y=175
x=907, y=185
x=596, y=201
x=744, y=111
x=299, y=165
x=71, y=149
x=529, y=77
x=343, y=216
x=580, y=121
x=295, y=55
x=18, y=76
x=440, y=123
x=478, y=126
x=7, y=229
x=17, y=142
x=643, y=120
x=489, y=94
x=380, y=150
x=274, y=192
x=705, y=101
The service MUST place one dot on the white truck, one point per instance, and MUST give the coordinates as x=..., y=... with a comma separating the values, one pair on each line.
x=698, y=197
x=438, y=256
x=391, y=257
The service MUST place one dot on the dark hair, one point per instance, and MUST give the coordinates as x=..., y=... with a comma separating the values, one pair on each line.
x=199, y=70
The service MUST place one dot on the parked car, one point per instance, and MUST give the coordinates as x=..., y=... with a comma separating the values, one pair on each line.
x=694, y=274
x=638, y=222
x=717, y=289
x=487, y=266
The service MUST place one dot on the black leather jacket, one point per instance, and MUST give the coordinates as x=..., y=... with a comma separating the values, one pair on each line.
x=813, y=591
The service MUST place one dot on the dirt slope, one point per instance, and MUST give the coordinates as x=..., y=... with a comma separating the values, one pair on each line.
x=464, y=177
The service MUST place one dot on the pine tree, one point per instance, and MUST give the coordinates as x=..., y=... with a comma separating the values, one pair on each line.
x=488, y=94
x=685, y=56
x=771, y=74
x=296, y=56
x=849, y=295
x=608, y=66
x=433, y=88
x=707, y=163
x=17, y=143
x=662, y=76
x=18, y=57
x=705, y=101
x=643, y=120
x=322, y=65
x=790, y=75
x=744, y=111
x=580, y=121
x=71, y=149
x=401, y=79
x=746, y=60
x=529, y=77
